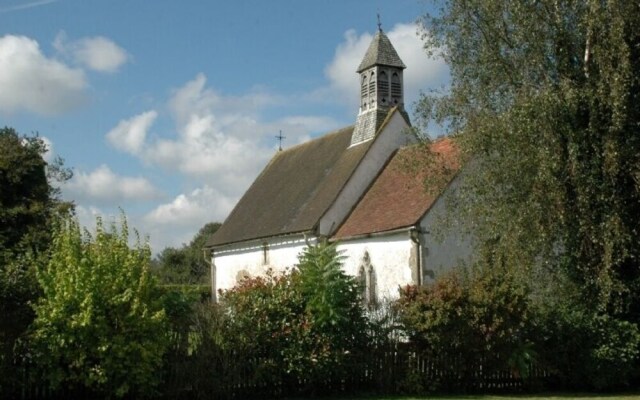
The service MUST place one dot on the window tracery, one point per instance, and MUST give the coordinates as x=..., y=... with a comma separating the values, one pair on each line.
x=367, y=280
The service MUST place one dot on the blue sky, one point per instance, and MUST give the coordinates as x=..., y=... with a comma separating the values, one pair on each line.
x=169, y=109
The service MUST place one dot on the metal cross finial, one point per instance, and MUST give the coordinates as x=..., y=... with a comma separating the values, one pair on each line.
x=379, y=23
x=280, y=137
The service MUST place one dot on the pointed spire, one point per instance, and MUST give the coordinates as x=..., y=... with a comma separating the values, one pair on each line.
x=381, y=52
x=381, y=86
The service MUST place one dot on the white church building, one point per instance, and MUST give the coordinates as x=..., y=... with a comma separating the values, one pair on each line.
x=355, y=186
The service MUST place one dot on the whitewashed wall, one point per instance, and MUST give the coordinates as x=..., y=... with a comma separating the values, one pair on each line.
x=232, y=262
x=389, y=254
x=390, y=257
x=444, y=243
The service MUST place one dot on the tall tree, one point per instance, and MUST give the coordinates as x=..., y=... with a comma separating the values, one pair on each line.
x=28, y=202
x=27, y=198
x=547, y=95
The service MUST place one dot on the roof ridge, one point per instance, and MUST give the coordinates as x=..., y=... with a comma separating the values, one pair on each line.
x=309, y=142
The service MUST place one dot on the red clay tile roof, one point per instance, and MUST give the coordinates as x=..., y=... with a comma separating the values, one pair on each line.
x=399, y=197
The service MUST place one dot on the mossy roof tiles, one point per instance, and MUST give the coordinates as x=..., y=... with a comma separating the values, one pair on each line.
x=294, y=190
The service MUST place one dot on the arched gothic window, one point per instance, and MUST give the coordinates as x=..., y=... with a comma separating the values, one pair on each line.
x=367, y=280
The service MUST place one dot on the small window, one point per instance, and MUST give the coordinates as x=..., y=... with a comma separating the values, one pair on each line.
x=265, y=253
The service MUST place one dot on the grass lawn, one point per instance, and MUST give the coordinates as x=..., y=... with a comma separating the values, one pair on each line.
x=551, y=396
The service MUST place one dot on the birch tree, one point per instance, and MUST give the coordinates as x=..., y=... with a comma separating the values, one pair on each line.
x=544, y=98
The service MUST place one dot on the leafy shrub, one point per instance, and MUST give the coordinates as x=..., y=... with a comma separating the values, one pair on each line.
x=614, y=356
x=198, y=293
x=98, y=325
x=585, y=350
x=464, y=320
x=210, y=362
x=18, y=287
x=179, y=303
x=306, y=326
x=337, y=325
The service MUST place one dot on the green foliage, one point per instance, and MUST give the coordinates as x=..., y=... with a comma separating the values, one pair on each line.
x=27, y=199
x=186, y=265
x=268, y=319
x=98, y=324
x=547, y=95
x=28, y=202
x=330, y=294
x=195, y=293
x=465, y=319
x=308, y=324
x=179, y=303
x=585, y=350
x=213, y=362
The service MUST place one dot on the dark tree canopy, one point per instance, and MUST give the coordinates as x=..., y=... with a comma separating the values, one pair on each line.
x=24, y=197
x=186, y=265
x=28, y=203
x=545, y=100
x=27, y=197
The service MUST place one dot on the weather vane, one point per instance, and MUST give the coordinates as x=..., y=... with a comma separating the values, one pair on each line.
x=379, y=23
x=280, y=137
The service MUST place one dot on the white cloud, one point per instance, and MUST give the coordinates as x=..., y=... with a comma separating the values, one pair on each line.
x=177, y=221
x=130, y=134
x=97, y=53
x=202, y=205
x=32, y=82
x=50, y=154
x=422, y=71
x=220, y=140
x=220, y=145
x=104, y=186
